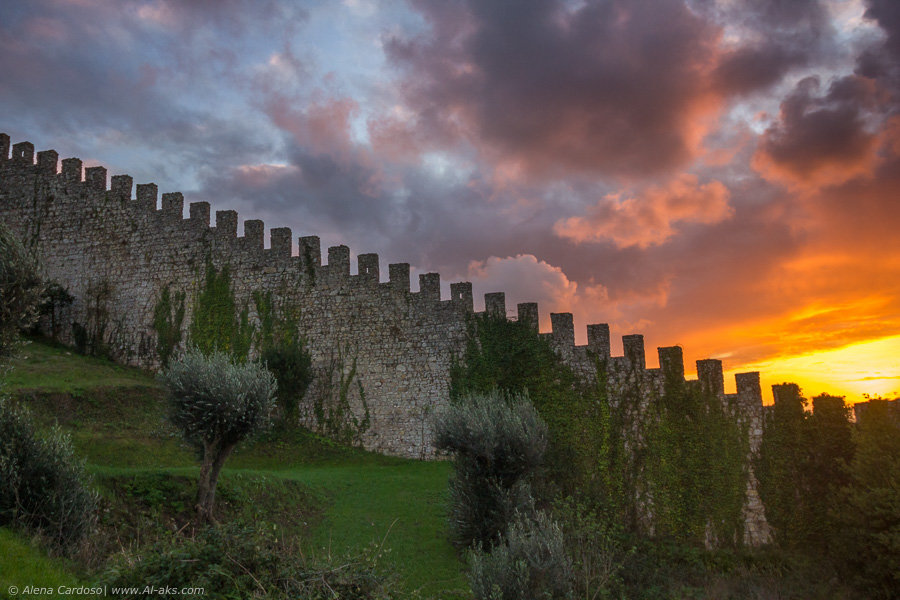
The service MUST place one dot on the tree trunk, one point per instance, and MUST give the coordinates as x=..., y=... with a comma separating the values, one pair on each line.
x=203, y=483
x=214, y=457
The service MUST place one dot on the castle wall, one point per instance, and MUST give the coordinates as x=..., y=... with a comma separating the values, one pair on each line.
x=116, y=253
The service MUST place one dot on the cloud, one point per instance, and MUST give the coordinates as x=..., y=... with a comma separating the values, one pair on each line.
x=823, y=139
x=563, y=91
x=775, y=38
x=649, y=218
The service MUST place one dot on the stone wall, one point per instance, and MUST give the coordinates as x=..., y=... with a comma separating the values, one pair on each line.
x=115, y=254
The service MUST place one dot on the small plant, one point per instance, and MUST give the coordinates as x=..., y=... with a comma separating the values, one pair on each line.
x=498, y=443
x=595, y=542
x=530, y=563
x=43, y=487
x=216, y=403
x=291, y=365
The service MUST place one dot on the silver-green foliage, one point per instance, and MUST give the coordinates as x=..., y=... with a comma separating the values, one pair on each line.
x=530, y=563
x=43, y=486
x=498, y=442
x=217, y=402
x=214, y=399
x=20, y=290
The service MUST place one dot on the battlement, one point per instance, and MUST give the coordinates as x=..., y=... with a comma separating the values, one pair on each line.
x=151, y=236
x=94, y=186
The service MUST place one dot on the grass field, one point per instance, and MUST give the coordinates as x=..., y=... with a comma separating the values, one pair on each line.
x=336, y=499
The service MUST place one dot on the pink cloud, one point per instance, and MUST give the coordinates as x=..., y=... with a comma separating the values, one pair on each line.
x=649, y=218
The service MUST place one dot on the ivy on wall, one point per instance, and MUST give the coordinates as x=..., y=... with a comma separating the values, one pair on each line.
x=216, y=324
x=696, y=466
x=332, y=405
x=91, y=336
x=168, y=316
x=682, y=463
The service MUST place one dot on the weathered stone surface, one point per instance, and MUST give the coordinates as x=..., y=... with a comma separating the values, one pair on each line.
x=117, y=254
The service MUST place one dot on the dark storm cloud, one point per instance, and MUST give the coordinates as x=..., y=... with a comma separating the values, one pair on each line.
x=887, y=14
x=823, y=138
x=561, y=91
x=611, y=88
x=777, y=37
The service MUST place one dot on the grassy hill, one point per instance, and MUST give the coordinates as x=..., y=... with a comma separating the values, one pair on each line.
x=333, y=498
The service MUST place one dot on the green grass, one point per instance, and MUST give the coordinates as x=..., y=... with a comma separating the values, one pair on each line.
x=23, y=564
x=52, y=368
x=347, y=499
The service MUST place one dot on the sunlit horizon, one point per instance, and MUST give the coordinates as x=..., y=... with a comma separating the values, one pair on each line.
x=853, y=371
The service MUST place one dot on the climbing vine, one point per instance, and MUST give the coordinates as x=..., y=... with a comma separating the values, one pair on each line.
x=284, y=352
x=168, y=316
x=672, y=463
x=332, y=406
x=216, y=323
x=90, y=337
x=511, y=356
x=696, y=467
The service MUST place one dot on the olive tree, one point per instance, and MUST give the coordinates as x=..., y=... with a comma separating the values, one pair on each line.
x=20, y=290
x=217, y=402
x=498, y=443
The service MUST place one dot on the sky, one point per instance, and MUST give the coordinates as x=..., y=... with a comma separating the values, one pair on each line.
x=722, y=175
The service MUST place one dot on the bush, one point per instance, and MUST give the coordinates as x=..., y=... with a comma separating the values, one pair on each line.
x=498, y=442
x=597, y=546
x=42, y=486
x=244, y=562
x=20, y=290
x=291, y=364
x=530, y=563
x=216, y=403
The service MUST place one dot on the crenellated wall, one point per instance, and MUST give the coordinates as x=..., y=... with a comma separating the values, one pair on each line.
x=116, y=253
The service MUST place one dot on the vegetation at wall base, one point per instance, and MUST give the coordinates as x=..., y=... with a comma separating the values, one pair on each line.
x=284, y=353
x=333, y=500
x=681, y=461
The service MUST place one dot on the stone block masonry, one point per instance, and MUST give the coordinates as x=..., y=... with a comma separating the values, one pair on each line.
x=115, y=253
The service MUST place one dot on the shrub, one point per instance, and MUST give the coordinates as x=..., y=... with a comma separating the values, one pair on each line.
x=20, y=290
x=597, y=546
x=238, y=561
x=43, y=487
x=498, y=442
x=216, y=403
x=530, y=563
x=291, y=364
x=283, y=351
